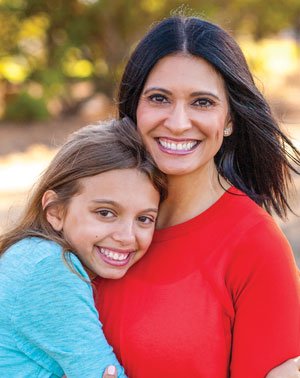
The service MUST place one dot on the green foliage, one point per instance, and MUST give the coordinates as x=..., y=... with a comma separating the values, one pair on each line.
x=61, y=41
x=24, y=108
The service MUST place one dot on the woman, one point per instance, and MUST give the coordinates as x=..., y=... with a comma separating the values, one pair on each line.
x=212, y=295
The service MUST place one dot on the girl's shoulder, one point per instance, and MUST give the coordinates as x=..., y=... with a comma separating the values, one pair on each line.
x=29, y=255
x=29, y=251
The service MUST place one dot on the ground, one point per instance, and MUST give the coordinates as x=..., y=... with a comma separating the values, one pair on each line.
x=25, y=151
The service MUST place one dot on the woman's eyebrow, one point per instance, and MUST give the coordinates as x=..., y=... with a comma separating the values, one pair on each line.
x=157, y=89
x=205, y=93
x=193, y=94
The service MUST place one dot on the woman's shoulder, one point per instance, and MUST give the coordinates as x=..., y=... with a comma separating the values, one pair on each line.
x=245, y=214
x=242, y=204
x=256, y=234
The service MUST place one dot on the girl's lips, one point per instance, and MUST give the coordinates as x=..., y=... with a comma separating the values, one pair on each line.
x=177, y=147
x=115, y=257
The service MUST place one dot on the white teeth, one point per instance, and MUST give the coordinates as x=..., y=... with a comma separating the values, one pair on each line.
x=114, y=255
x=186, y=146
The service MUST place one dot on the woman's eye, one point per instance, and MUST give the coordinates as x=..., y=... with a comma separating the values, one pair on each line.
x=145, y=219
x=105, y=213
x=203, y=102
x=158, y=98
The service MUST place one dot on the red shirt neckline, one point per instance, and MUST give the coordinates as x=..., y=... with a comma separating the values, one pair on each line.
x=182, y=228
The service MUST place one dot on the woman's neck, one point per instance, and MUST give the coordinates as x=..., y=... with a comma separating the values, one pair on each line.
x=190, y=195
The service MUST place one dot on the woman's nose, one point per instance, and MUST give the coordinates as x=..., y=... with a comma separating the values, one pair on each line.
x=178, y=120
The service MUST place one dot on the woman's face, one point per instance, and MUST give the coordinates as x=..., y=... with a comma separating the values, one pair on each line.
x=182, y=113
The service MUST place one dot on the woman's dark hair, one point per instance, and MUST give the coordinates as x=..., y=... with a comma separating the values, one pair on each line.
x=88, y=152
x=257, y=158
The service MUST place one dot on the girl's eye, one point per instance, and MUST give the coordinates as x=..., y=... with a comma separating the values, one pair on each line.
x=158, y=98
x=203, y=102
x=105, y=213
x=145, y=219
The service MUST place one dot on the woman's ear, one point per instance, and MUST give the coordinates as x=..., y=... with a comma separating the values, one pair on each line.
x=228, y=128
x=54, y=212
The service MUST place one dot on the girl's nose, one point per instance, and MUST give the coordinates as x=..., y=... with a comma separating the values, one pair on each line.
x=124, y=233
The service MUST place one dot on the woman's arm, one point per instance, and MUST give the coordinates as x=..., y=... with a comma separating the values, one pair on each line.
x=264, y=283
x=289, y=369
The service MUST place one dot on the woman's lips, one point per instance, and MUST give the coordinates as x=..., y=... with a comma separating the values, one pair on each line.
x=177, y=147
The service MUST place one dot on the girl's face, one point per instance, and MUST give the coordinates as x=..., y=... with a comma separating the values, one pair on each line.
x=110, y=222
x=182, y=113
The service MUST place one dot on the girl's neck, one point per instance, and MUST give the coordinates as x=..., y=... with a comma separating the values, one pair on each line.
x=190, y=195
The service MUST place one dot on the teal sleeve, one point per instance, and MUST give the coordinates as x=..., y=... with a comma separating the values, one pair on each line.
x=55, y=313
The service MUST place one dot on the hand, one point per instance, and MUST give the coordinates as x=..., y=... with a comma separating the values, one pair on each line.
x=110, y=372
x=289, y=369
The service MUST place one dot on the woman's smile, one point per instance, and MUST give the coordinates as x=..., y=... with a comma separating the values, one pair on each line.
x=177, y=146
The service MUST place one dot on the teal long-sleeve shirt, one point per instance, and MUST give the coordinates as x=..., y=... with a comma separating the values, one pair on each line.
x=49, y=325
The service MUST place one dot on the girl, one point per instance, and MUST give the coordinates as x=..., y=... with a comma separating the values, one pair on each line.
x=92, y=213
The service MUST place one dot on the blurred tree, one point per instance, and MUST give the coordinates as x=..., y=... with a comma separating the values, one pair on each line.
x=56, y=43
x=259, y=18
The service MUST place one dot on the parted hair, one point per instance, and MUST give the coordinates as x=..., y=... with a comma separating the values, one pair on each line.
x=91, y=150
x=258, y=158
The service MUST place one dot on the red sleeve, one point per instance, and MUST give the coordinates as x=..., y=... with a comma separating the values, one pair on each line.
x=265, y=286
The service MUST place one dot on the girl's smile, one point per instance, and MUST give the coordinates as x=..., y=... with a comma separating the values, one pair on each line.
x=115, y=257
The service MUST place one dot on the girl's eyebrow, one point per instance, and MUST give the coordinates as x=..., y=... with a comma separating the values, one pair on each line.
x=151, y=209
x=193, y=94
x=114, y=203
x=104, y=200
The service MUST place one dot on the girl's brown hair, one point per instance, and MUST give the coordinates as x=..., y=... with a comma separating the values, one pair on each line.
x=89, y=151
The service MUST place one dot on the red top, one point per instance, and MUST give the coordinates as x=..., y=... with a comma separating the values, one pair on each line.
x=217, y=294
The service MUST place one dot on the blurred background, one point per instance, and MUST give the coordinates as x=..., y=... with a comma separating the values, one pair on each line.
x=61, y=60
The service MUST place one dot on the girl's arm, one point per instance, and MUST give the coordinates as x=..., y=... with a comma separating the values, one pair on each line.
x=57, y=323
x=110, y=372
x=289, y=369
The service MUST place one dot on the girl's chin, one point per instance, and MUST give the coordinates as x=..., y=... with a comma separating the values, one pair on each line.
x=114, y=275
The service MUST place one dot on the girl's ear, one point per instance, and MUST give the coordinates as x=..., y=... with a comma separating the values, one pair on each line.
x=54, y=212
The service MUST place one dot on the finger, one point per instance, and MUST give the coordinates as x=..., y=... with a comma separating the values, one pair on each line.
x=288, y=369
x=297, y=362
x=110, y=372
